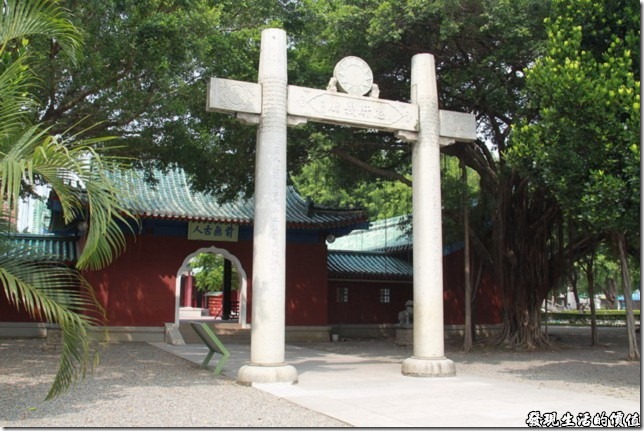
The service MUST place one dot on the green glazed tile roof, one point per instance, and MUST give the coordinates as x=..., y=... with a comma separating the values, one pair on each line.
x=365, y=265
x=385, y=236
x=382, y=235
x=45, y=247
x=172, y=198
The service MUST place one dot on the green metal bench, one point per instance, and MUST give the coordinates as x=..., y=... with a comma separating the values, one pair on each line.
x=214, y=345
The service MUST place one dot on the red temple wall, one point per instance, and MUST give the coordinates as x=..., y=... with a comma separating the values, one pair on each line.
x=138, y=289
x=364, y=306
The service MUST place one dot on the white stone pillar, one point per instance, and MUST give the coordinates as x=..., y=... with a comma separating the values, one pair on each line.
x=267, y=347
x=428, y=357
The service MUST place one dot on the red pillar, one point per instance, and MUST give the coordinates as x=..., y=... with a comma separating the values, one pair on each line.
x=187, y=291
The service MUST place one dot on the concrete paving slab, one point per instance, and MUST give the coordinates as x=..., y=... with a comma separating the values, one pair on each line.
x=371, y=392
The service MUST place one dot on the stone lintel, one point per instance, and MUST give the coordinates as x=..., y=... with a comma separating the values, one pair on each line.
x=406, y=136
x=229, y=96
x=248, y=118
x=351, y=110
x=445, y=142
x=457, y=126
x=245, y=100
x=295, y=121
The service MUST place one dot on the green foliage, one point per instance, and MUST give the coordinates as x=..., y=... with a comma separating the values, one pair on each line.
x=577, y=318
x=481, y=50
x=208, y=270
x=31, y=154
x=321, y=182
x=144, y=75
x=606, y=266
x=144, y=80
x=457, y=196
x=584, y=145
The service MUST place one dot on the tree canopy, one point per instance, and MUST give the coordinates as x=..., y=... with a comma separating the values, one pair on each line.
x=143, y=79
x=583, y=146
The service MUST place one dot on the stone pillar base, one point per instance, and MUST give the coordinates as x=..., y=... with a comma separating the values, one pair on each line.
x=253, y=373
x=428, y=367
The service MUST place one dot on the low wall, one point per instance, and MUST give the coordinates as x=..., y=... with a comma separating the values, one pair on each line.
x=23, y=329
x=117, y=334
x=110, y=334
x=389, y=331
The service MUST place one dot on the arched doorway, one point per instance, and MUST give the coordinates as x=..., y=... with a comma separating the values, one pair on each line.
x=241, y=274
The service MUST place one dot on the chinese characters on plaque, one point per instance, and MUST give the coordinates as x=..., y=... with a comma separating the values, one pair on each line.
x=211, y=231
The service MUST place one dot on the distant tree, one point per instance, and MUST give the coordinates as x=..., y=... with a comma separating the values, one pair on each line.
x=208, y=269
x=320, y=181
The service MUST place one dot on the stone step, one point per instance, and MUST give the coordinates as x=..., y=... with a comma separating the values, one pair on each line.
x=192, y=312
x=224, y=331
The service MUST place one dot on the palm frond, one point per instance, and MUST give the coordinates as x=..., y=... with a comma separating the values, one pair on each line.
x=16, y=101
x=21, y=19
x=79, y=177
x=75, y=171
x=52, y=292
x=17, y=165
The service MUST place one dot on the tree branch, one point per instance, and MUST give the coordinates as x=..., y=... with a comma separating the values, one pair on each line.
x=373, y=169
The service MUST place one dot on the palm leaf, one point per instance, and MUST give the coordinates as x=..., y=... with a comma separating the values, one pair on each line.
x=15, y=100
x=48, y=290
x=79, y=177
x=44, y=288
x=21, y=19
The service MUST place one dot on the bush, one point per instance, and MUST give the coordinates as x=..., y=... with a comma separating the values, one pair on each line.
x=577, y=318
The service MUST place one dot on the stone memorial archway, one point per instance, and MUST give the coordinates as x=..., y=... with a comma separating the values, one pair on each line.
x=274, y=105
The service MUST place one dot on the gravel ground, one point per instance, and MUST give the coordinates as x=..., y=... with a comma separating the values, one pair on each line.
x=139, y=385
x=136, y=385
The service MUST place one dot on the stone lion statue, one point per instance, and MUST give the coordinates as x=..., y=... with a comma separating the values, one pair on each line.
x=406, y=317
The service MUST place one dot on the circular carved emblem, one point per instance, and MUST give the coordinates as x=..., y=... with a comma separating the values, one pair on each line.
x=353, y=75
x=236, y=96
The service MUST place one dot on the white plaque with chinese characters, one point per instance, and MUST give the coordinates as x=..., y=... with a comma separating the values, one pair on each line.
x=212, y=231
x=339, y=108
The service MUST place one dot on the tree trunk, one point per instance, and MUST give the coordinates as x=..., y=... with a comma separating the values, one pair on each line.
x=475, y=288
x=467, y=330
x=523, y=248
x=610, y=290
x=590, y=276
x=633, y=350
x=572, y=273
x=524, y=265
x=575, y=292
x=522, y=327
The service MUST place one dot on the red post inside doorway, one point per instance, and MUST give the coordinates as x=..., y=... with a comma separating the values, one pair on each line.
x=188, y=287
